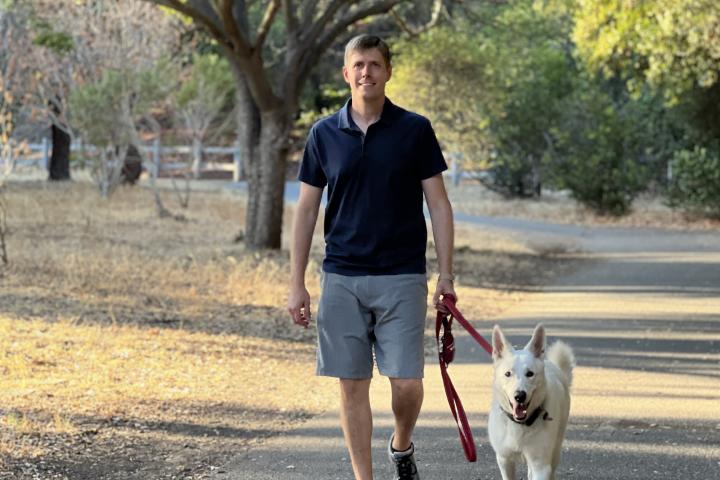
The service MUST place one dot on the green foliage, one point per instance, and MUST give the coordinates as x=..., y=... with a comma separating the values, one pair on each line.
x=534, y=72
x=96, y=110
x=210, y=81
x=672, y=44
x=598, y=150
x=444, y=76
x=105, y=111
x=59, y=42
x=695, y=185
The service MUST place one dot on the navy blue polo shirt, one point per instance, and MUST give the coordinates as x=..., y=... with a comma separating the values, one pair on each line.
x=374, y=221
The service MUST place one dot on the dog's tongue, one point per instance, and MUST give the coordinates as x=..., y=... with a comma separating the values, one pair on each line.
x=520, y=411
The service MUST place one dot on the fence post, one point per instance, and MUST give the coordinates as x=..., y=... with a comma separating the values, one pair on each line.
x=45, y=153
x=156, y=157
x=197, y=149
x=237, y=161
x=455, y=168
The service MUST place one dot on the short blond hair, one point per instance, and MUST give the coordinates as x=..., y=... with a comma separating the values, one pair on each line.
x=367, y=42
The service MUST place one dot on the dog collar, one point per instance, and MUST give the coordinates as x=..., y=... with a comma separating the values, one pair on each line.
x=532, y=418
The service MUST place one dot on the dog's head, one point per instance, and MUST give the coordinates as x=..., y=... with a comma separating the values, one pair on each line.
x=519, y=379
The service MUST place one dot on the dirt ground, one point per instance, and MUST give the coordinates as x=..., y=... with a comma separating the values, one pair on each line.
x=135, y=347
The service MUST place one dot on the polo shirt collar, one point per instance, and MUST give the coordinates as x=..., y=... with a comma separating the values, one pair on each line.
x=345, y=121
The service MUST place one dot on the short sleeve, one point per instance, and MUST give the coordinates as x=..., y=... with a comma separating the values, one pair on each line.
x=432, y=161
x=311, y=171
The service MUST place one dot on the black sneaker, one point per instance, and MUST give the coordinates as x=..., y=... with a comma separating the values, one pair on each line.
x=405, y=467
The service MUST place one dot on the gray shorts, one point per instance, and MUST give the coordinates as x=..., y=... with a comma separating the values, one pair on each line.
x=381, y=312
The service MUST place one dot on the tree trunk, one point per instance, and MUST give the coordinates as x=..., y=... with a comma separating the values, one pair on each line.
x=59, y=166
x=248, y=123
x=266, y=199
x=264, y=144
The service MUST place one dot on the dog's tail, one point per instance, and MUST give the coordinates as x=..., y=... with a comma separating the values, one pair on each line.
x=561, y=355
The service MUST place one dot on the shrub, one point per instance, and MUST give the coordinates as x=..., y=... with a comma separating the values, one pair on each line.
x=598, y=151
x=695, y=183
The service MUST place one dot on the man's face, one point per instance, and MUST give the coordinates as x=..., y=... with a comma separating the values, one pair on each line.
x=367, y=73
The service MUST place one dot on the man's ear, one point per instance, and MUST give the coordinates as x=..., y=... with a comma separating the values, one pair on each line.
x=536, y=345
x=345, y=74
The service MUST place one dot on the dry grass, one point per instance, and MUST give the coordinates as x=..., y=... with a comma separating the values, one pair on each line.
x=135, y=347
x=121, y=328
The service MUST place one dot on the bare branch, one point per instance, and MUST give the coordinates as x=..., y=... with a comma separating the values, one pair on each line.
x=315, y=29
x=291, y=20
x=310, y=53
x=415, y=31
x=342, y=24
x=308, y=13
x=267, y=22
x=238, y=40
x=199, y=11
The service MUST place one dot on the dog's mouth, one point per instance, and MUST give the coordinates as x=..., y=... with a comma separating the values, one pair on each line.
x=519, y=411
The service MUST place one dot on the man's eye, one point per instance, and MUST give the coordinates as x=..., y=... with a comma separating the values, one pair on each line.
x=529, y=374
x=508, y=374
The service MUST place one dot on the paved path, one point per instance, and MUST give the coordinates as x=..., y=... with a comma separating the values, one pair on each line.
x=644, y=320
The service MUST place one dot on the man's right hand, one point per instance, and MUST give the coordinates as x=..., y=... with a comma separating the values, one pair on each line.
x=299, y=306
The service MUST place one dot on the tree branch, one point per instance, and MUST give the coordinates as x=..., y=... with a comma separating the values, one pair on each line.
x=238, y=40
x=415, y=31
x=312, y=52
x=324, y=41
x=267, y=22
x=199, y=11
x=315, y=29
x=308, y=12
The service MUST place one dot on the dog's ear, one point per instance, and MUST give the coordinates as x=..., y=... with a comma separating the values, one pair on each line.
x=536, y=345
x=500, y=344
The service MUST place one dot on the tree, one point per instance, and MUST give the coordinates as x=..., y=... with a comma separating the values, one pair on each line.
x=12, y=73
x=673, y=44
x=128, y=71
x=269, y=104
x=597, y=149
x=535, y=65
x=204, y=94
x=50, y=86
x=670, y=45
x=443, y=74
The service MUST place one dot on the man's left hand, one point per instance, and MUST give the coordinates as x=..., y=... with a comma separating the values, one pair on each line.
x=444, y=287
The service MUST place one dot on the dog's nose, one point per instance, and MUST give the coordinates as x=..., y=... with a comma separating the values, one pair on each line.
x=520, y=396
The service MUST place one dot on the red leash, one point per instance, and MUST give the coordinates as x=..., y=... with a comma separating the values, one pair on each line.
x=446, y=354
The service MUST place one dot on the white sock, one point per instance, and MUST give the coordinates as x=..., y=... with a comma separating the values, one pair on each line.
x=402, y=453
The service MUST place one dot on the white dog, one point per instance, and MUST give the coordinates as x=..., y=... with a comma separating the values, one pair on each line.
x=531, y=404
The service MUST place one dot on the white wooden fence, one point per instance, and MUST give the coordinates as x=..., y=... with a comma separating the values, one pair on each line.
x=156, y=152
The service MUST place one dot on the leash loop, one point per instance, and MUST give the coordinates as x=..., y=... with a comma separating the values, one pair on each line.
x=446, y=354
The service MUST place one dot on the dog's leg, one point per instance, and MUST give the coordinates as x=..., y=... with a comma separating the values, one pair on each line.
x=507, y=467
x=539, y=471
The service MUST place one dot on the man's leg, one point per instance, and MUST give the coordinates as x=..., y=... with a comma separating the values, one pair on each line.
x=356, y=420
x=407, y=398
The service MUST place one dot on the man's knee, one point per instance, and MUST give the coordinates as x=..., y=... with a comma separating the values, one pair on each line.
x=407, y=388
x=353, y=387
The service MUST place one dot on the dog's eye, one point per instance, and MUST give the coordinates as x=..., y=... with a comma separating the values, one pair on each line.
x=529, y=374
x=508, y=373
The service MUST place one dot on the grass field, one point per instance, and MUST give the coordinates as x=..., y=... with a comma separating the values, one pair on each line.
x=135, y=347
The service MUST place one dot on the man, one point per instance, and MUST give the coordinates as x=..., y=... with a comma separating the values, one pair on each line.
x=377, y=160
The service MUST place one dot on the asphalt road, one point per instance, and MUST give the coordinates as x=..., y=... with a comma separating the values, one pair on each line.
x=643, y=317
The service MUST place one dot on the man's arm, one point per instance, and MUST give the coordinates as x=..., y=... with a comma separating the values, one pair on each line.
x=306, y=213
x=441, y=216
